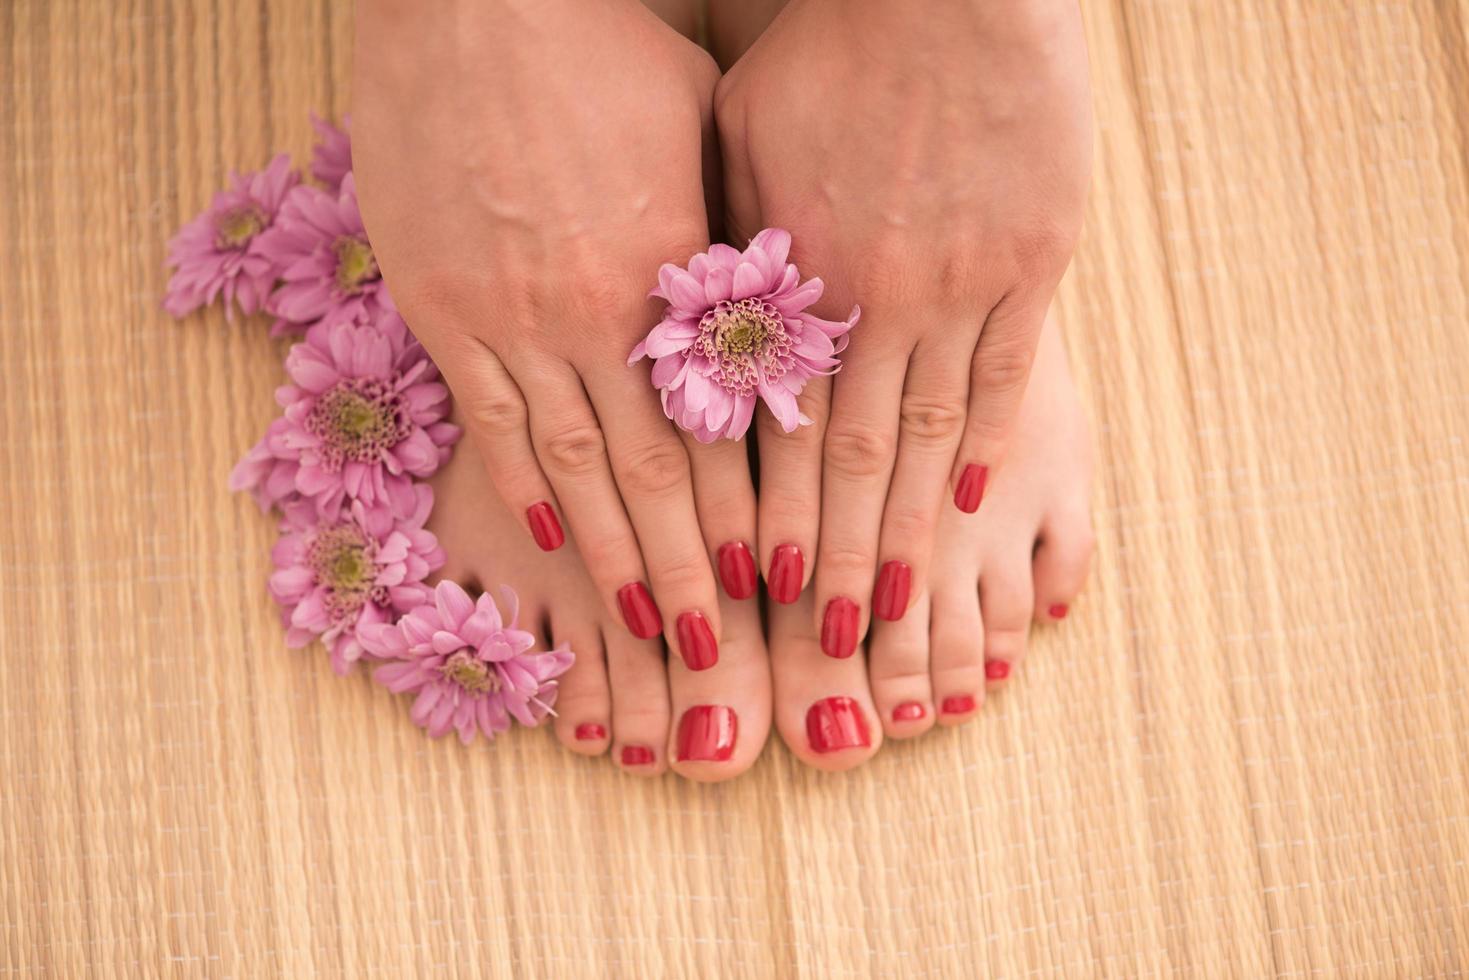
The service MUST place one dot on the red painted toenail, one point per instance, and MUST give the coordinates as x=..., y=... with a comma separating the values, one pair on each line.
x=706, y=733
x=996, y=670
x=833, y=724
x=971, y=487
x=639, y=611
x=787, y=565
x=590, y=732
x=909, y=711
x=1058, y=611
x=696, y=643
x=890, y=598
x=839, y=628
x=544, y=526
x=637, y=755
x=958, y=704
x=737, y=569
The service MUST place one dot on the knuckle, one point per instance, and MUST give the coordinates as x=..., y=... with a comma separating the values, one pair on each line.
x=930, y=421
x=495, y=413
x=847, y=560
x=680, y=572
x=859, y=450
x=655, y=470
x=575, y=451
x=1002, y=369
x=607, y=557
x=911, y=526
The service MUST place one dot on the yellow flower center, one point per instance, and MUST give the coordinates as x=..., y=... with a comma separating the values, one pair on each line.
x=740, y=331
x=238, y=225
x=471, y=673
x=356, y=264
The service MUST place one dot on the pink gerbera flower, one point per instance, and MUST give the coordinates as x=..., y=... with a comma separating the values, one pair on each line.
x=471, y=670
x=218, y=254
x=735, y=328
x=327, y=268
x=335, y=576
x=331, y=157
x=364, y=414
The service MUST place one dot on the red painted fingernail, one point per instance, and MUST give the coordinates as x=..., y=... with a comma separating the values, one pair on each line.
x=833, y=724
x=737, y=569
x=971, y=487
x=996, y=670
x=639, y=611
x=839, y=628
x=696, y=641
x=958, y=704
x=1058, y=611
x=787, y=565
x=707, y=732
x=590, y=732
x=636, y=755
x=909, y=711
x=890, y=598
x=544, y=526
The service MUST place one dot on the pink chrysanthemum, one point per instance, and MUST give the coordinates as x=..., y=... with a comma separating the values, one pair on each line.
x=364, y=414
x=331, y=157
x=328, y=272
x=471, y=670
x=218, y=254
x=334, y=577
x=735, y=328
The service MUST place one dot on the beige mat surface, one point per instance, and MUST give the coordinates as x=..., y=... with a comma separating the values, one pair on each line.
x=1245, y=753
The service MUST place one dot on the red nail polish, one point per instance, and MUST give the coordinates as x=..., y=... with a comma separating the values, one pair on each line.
x=737, y=569
x=833, y=724
x=544, y=526
x=958, y=704
x=971, y=487
x=787, y=565
x=909, y=711
x=996, y=670
x=590, y=732
x=706, y=733
x=839, y=628
x=1058, y=611
x=637, y=755
x=696, y=641
x=639, y=611
x=890, y=598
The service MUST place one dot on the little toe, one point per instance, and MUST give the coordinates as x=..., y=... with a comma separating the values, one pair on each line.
x=639, y=684
x=1061, y=562
x=956, y=646
x=899, y=672
x=1006, y=601
x=583, y=701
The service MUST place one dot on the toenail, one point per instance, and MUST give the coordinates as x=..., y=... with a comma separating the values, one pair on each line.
x=706, y=733
x=890, y=598
x=787, y=565
x=996, y=670
x=544, y=526
x=637, y=755
x=909, y=711
x=833, y=724
x=1058, y=611
x=737, y=569
x=958, y=704
x=839, y=628
x=639, y=611
x=590, y=732
x=971, y=487
x=696, y=641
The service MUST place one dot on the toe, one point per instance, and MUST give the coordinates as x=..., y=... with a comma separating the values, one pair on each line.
x=1061, y=562
x=956, y=645
x=899, y=672
x=583, y=702
x=639, y=684
x=1006, y=600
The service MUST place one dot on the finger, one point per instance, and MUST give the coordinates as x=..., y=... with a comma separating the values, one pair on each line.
x=790, y=493
x=725, y=498
x=997, y=379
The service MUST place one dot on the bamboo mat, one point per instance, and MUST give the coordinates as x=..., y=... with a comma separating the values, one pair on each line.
x=1244, y=754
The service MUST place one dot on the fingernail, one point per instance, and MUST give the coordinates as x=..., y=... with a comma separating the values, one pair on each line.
x=786, y=567
x=833, y=724
x=909, y=711
x=737, y=569
x=696, y=641
x=890, y=598
x=996, y=670
x=958, y=704
x=706, y=733
x=636, y=755
x=590, y=732
x=1058, y=611
x=971, y=487
x=544, y=526
x=639, y=611
x=839, y=628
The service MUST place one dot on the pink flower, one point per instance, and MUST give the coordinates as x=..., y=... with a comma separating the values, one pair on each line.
x=219, y=254
x=331, y=157
x=336, y=576
x=735, y=328
x=364, y=414
x=327, y=269
x=471, y=671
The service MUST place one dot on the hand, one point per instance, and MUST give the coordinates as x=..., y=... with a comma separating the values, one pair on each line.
x=932, y=166
x=523, y=170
